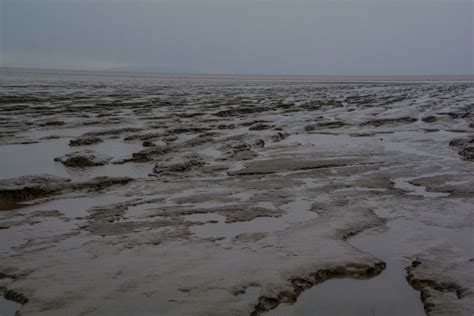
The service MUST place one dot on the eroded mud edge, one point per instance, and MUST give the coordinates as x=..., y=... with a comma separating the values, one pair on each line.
x=298, y=284
x=354, y=271
x=12, y=295
x=424, y=285
x=16, y=297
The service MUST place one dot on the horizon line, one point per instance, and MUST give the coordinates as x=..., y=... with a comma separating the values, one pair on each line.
x=152, y=73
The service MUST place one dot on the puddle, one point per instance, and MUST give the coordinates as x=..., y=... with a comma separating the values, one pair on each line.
x=404, y=184
x=23, y=160
x=210, y=153
x=386, y=294
x=251, y=293
x=16, y=160
x=297, y=211
x=47, y=227
x=400, y=142
x=7, y=206
x=7, y=307
x=75, y=206
x=146, y=304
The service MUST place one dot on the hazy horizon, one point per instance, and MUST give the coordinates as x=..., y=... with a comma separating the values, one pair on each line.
x=151, y=73
x=238, y=37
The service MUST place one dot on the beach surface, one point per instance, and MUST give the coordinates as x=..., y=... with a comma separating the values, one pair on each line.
x=221, y=195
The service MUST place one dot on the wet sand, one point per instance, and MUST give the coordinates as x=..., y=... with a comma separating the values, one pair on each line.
x=237, y=195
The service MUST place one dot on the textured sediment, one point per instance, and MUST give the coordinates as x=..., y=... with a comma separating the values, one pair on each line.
x=229, y=197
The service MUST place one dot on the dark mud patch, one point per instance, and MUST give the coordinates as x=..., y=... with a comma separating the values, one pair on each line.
x=467, y=153
x=183, y=166
x=99, y=183
x=465, y=147
x=389, y=121
x=15, y=296
x=83, y=158
x=84, y=141
x=31, y=187
x=429, y=119
x=260, y=127
x=148, y=154
x=148, y=143
x=241, y=111
x=51, y=123
x=10, y=205
x=324, y=125
x=114, y=131
x=11, y=300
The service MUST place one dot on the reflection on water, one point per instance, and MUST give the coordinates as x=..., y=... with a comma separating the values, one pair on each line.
x=404, y=184
x=7, y=205
x=386, y=294
x=33, y=159
x=145, y=304
x=296, y=212
x=251, y=293
x=70, y=209
x=7, y=307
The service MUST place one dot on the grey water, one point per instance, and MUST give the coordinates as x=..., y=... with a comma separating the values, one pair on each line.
x=387, y=294
x=7, y=307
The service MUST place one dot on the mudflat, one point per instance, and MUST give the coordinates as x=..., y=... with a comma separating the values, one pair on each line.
x=155, y=195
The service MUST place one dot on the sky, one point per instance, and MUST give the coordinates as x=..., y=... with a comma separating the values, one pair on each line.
x=297, y=37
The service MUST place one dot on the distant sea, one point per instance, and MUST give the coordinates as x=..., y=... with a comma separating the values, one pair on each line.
x=8, y=73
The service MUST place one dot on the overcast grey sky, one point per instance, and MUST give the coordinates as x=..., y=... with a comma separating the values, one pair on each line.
x=352, y=37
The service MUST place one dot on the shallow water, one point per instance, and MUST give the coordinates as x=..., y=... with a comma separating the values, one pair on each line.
x=7, y=205
x=386, y=294
x=70, y=208
x=251, y=293
x=404, y=184
x=7, y=307
x=143, y=304
x=16, y=160
x=297, y=211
